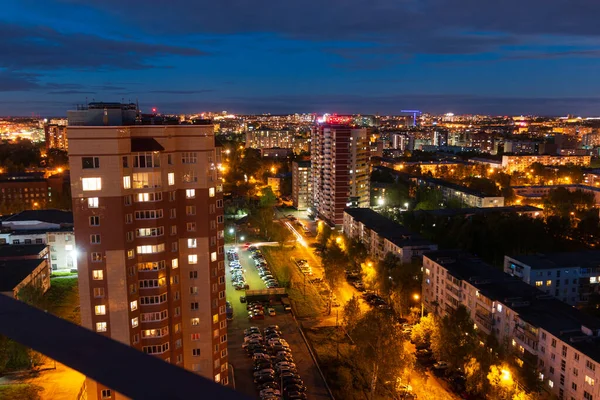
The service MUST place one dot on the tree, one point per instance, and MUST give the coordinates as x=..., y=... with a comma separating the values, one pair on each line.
x=357, y=252
x=280, y=234
x=33, y=294
x=352, y=314
x=424, y=330
x=379, y=354
x=561, y=202
x=267, y=198
x=323, y=234
x=456, y=339
x=334, y=266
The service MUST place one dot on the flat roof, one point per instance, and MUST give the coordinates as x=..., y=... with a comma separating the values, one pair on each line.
x=52, y=216
x=13, y=272
x=572, y=259
x=20, y=250
x=454, y=186
x=385, y=227
x=449, y=212
x=533, y=306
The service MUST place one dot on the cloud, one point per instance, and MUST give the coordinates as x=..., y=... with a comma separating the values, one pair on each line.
x=192, y=91
x=11, y=81
x=44, y=48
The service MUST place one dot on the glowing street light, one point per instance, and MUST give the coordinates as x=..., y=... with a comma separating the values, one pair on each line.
x=381, y=201
x=338, y=239
x=505, y=375
x=417, y=297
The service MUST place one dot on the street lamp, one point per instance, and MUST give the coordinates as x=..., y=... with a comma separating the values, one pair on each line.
x=381, y=201
x=417, y=298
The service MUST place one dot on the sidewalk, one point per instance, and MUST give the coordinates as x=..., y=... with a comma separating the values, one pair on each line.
x=62, y=383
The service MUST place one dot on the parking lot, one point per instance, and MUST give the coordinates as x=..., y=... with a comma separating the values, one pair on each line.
x=242, y=364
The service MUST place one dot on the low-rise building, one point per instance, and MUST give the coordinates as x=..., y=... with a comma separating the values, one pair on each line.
x=559, y=342
x=276, y=153
x=537, y=192
x=16, y=274
x=381, y=235
x=467, y=197
x=513, y=163
x=30, y=189
x=570, y=276
x=52, y=228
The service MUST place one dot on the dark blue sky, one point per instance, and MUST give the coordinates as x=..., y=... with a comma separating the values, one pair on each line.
x=345, y=56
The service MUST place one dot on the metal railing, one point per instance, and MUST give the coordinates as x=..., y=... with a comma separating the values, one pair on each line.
x=113, y=364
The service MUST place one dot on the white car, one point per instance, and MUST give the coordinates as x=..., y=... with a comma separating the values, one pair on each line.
x=279, y=341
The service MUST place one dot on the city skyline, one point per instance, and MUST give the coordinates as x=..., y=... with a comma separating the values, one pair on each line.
x=350, y=57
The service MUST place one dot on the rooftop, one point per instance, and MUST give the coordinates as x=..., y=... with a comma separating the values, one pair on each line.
x=13, y=272
x=8, y=251
x=575, y=259
x=532, y=305
x=449, y=212
x=394, y=232
x=52, y=216
x=459, y=188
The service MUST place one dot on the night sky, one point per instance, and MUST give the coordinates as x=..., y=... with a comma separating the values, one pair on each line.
x=279, y=56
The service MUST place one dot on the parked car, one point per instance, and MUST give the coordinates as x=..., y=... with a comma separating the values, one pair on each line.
x=266, y=371
x=272, y=312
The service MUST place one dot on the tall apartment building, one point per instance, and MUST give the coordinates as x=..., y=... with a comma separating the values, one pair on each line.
x=267, y=138
x=559, y=342
x=148, y=214
x=301, y=184
x=56, y=137
x=340, y=170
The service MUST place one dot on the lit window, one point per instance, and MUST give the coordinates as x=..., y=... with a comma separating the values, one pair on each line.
x=593, y=279
x=91, y=183
x=211, y=192
x=126, y=182
x=190, y=193
x=539, y=283
x=171, y=178
x=551, y=384
x=499, y=307
x=213, y=256
x=101, y=326
x=191, y=243
x=195, y=321
x=195, y=336
x=192, y=259
x=174, y=263
x=218, y=378
x=549, y=282
x=68, y=247
x=135, y=322
x=93, y=202
x=589, y=380
x=133, y=305
x=100, y=310
x=98, y=274
x=215, y=318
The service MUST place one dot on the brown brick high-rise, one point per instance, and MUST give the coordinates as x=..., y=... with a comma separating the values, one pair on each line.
x=148, y=213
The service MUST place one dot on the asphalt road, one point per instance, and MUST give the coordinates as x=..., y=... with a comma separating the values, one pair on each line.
x=239, y=360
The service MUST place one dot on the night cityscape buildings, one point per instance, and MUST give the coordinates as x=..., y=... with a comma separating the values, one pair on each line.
x=148, y=211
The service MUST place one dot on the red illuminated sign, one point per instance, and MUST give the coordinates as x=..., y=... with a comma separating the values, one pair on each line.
x=339, y=119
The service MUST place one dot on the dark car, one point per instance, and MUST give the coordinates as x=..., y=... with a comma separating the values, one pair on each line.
x=295, y=396
x=261, y=366
x=292, y=381
x=268, y=385
x=294, y=388
x=262, y=379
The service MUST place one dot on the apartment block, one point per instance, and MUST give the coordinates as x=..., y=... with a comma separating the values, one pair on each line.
x=340, y=170
x=265, y=138
x=29, y=188
x=571, y=276
x=148, y=213
x=56, y=137
x=521, y=163
x=558, y=341
x=381, y=235
x=301, y=185
x=467, y=197
x=53, y=228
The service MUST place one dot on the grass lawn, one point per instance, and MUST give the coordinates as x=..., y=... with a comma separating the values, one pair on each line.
x=63, y=299
x=20, y=392
x=63, y=273
x=326, y=342
x=289, y=276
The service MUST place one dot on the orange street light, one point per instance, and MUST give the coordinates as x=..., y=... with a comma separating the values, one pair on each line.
x=416, y=296
x=505, y=375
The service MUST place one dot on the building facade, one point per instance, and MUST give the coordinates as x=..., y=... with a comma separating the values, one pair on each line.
x=301, y=185
x=56, y=137
x=521, y=163
x=571, y=277
x=148, y=212
x=558, y=341
x=381, y=235
x=466, y=196
x=340, y=170
x=30, y=189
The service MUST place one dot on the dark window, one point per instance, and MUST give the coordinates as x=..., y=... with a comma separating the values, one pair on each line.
x=90, y=162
